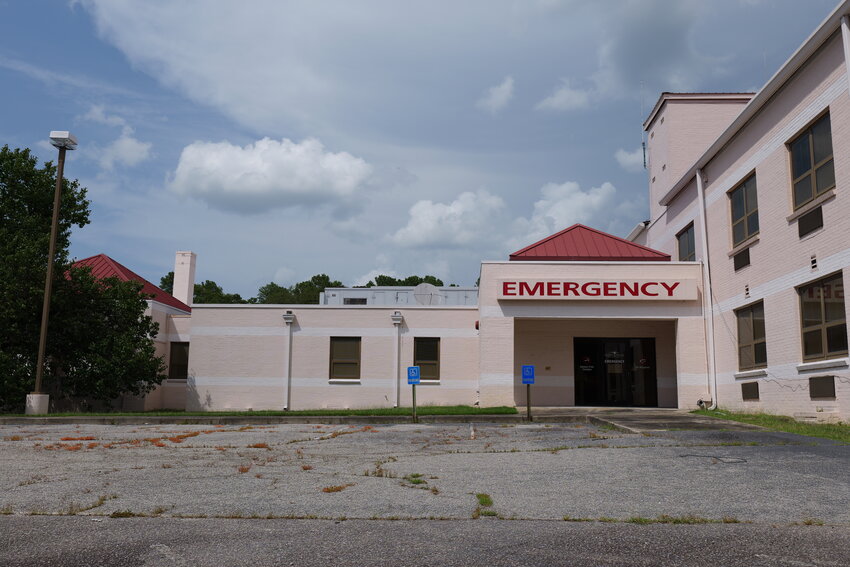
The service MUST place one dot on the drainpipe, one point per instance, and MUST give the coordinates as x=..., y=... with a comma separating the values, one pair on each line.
x=708, y=307
x=288, y=318
x=845, y=40
x=397, y=319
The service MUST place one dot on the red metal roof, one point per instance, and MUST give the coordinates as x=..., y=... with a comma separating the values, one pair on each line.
x=582, y=243
x=102, y=266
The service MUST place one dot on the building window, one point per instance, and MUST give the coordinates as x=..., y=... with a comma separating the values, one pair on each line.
x=752, y=346
x=822, y=318
x=745, y=211
x=426, y=355
x=687, y=249
x=178, y=361
x=810, y=222
x=354, y=301
x=822, y=387
x=750, y=391
x=811, y=162
x=345, y=358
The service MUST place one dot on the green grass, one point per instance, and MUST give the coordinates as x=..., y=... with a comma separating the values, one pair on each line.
x=420, y=410
x=484, y=500
x=834, y=431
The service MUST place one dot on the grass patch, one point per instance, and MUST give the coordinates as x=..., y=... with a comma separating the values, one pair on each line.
x=835, y=431
x=420, y=410
x=338, y=488
x=415, y=478
x=484, y=500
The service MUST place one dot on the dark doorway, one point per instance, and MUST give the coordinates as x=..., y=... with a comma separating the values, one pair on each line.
x=615, y=372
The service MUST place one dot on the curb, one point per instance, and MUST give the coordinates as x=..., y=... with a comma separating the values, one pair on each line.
x=303, y=419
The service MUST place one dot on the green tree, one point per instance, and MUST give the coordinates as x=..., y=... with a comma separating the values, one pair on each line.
x=384, y=280
x=306, y=292
x=205, y=292
x=77, y=347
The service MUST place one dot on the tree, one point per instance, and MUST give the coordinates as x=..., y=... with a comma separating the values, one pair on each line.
x=306, y=292
x=77, y=347
x=383, y=280
x=206, y=292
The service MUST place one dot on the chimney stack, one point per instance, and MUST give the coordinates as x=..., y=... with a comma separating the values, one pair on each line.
x=184, y=276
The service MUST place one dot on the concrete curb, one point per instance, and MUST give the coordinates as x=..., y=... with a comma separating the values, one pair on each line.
x=305, y=419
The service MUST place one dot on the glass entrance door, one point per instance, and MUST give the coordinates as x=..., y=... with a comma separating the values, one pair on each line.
x=615, y=372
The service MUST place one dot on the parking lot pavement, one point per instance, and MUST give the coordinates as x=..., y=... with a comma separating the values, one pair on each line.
x=529, y=471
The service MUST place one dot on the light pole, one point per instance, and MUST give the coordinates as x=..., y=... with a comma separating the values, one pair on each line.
x=38, y=401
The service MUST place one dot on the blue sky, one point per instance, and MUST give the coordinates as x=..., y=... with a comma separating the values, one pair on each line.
x=278, y=140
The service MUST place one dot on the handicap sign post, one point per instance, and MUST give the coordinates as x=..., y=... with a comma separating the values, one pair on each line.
x=413, y=380
x=528, y=380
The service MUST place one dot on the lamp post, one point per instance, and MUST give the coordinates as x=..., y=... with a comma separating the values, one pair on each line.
x=38, y=401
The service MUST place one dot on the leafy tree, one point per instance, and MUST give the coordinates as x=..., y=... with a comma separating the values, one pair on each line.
x=384, y=280
x=89, y=340
x=206, y=292
x=306, y=292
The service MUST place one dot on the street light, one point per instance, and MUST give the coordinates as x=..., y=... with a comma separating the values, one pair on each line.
x=38, y=401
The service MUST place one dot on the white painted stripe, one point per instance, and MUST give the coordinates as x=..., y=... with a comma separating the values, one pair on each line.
x=322, y=383
x=497, y=379
x=178, y=337
x=691, y=379
x=332, y=332
x=786, y=282
x=615, y=310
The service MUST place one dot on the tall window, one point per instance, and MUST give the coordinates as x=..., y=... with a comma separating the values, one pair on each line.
x=345, y=358
x=687, y=249
x=178, y=361
x=752, y=346
x=823, y=320
x=426, y=355
x=745, y=211
x=811, y=162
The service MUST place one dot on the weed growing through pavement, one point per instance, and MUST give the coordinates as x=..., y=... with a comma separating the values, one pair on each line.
x=6, y=510
x=243, y=468
x=338, y=488
x=484, y=508
x=306, y=467
x=260, y=446
x=812, y=522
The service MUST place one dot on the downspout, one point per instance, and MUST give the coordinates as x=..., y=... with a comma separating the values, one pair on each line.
x=845, y=40
x=708, y=307
x=288, y=318
x=397, y=319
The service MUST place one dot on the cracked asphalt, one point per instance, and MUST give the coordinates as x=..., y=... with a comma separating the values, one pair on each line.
x=531, y=472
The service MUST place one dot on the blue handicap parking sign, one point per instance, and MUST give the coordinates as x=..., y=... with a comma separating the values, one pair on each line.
x=528, y=374
x=412, y=374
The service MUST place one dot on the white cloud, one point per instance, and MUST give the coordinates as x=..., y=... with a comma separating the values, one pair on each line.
x=126, y=150
x=465, y=221
x=560, y=206
x=372, y=274
x=630, y=161
x=565, y=98
x=497, y=97
x=97, y=113
x=267, y=174
x=284, y=276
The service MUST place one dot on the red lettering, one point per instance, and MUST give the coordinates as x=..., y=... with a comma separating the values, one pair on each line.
x=552, y=288
x=525, y=289
x=609, y=289
x=634, y=291
x=644, y=289
x=508, y=288
x=591, y=289
x=570, y=287
x=670, y=288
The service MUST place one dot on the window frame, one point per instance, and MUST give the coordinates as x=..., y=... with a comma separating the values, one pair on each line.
x=747, y=213
x=357, y=361
x=807, y=133
x=748, y=310
x=693, y=253
x=824, y=325
x=172, y=365
x=417, y=361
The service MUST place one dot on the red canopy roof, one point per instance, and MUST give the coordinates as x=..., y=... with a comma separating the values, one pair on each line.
x=582, y=243
x=102, y=266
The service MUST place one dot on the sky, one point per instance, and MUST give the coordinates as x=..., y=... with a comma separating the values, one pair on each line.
x=278, y=140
